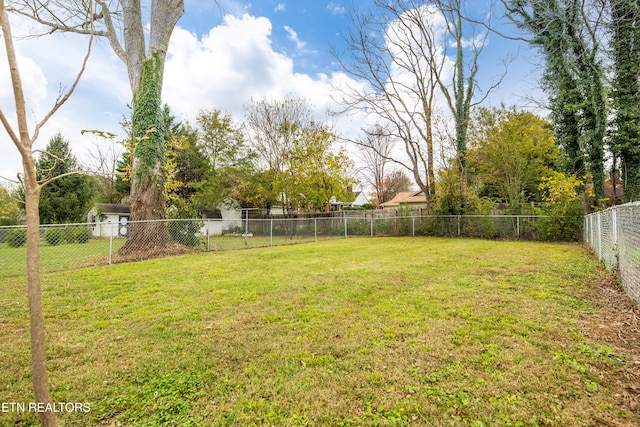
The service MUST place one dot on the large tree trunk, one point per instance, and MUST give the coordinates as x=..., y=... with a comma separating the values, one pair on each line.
x=147, y=181
x=147, y=167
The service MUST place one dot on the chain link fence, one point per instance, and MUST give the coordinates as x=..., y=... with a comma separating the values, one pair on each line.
x=614, y=235
x=79, y=245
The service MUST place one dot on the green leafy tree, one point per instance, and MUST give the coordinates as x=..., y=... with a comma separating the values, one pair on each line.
x=68, y=198
x=185, y=166
x=9, y=207
x=315, y=174
x=562, y=214
x=190, y=164
x=272, y=128
x=512, y=151
x=229, y=162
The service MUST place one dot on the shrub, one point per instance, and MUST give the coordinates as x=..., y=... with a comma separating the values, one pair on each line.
x=54, y=236
x=184, y=232
x=16, y=237
x=80, y=235
x=236, y=229
x=357, y=227
x=564, y=210
x=562, y=223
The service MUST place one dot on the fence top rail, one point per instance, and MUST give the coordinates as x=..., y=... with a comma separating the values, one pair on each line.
x=630, y=205
x=469, y=216
x=280, y=219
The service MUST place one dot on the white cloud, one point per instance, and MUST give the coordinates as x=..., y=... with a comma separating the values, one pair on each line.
x=280, y=7
x=233, y=64
x=224, y=69
x=293, y=36
x=336, y=9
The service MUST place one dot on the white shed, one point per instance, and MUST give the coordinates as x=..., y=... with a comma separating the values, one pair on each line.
x=107, y=220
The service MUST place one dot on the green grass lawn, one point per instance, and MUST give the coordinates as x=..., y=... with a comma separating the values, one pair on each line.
x=67, y=256
x=389, y=331
x=56, y=258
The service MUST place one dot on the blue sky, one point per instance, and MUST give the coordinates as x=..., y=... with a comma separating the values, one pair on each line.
x=221, y=56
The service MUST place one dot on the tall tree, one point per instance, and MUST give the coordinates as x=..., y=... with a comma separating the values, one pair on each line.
x=569, y=34
x=410, y=53
x=229, y=160
x=189, y=163
x=375, y=151
x=68, y=198
x=315, y=174
x=625, y=102
x=272, y=127
x=220, y=140
x=122, y=23
x=461, y=92
x=23, y=139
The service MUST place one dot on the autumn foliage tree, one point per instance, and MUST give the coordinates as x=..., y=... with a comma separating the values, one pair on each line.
x=315, y=173
x=511, y=152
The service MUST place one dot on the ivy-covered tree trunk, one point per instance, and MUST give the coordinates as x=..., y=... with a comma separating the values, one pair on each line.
x=566, y=119
x=574, y=78
x=595, y=118
x=147, y=200
x=625, y=134
x=147, y=196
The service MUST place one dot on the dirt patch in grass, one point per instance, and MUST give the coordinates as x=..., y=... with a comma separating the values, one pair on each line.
x=615, y=323
x=170, y=250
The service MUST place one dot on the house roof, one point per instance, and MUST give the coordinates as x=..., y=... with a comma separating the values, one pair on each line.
x=112, y=208
x=406, y=198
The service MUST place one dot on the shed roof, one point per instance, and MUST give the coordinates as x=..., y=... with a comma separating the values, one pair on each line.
x=113, y=208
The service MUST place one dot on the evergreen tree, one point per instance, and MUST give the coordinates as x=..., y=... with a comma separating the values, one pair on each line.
x=68, y=197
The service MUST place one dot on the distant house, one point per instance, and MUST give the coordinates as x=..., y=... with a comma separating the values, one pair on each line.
x=360, y=200
x=107, y=219
x=613, y=190
x=410, y=199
